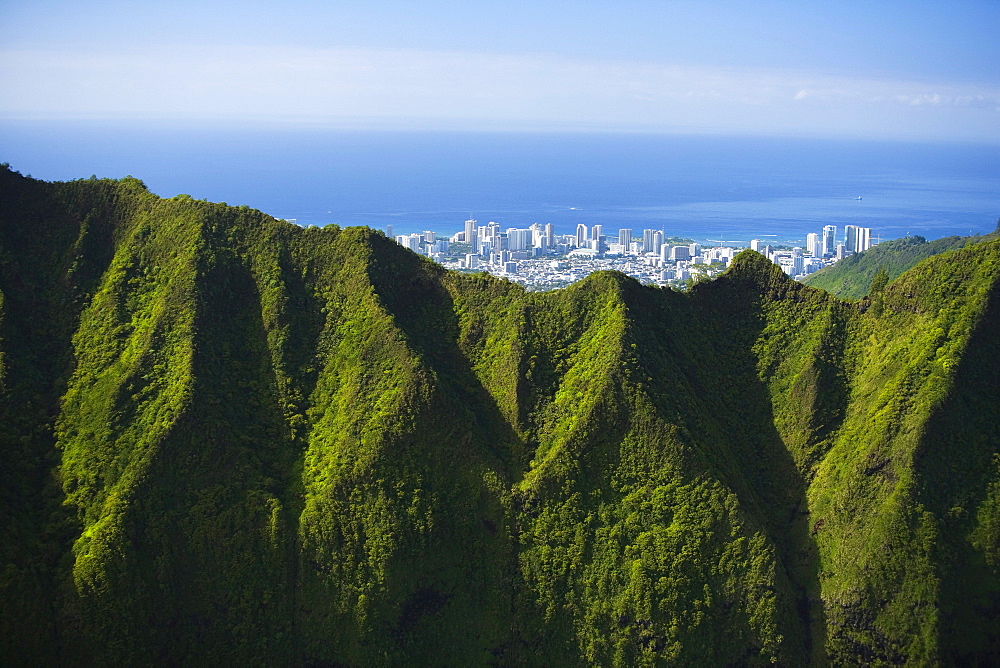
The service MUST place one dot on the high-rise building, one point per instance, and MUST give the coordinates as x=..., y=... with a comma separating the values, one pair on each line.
x=596, y=231
x=813, y=245
x=755, y=245
x=537, y=235
x=581, y=235
x=518, y=239
x=851, y=238
x=625, y=237
x=864, y=239
x=412, y=241
x=550, y=235
x=648, y=241
x=829, y=239
x=470, y=233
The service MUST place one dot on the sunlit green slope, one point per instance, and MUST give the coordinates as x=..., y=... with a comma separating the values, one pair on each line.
x=229, y=439
x=851, y=277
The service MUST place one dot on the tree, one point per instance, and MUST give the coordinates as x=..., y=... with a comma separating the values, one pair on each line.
x=879, y=281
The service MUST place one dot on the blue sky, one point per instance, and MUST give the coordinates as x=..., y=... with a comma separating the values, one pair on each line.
x=880, y=70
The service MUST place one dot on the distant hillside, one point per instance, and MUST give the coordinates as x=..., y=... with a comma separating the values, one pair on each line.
x=850, y=278
x=228, y=440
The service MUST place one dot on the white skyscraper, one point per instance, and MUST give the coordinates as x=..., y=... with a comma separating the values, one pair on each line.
x=648, y=243
x=625, y=237
x=581, y=235
x=829, y=239
x=471, y=233
x=550, y=235
x=755, y=245
x=536, y=235
x=813, y=245
x=864, y=239
x=519, y=239
x=492, y=230
x=413, y=242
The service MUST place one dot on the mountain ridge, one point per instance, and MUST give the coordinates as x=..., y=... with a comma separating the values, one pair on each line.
x=229, y=438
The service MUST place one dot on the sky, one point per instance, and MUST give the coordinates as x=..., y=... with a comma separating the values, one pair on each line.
x=913, y=70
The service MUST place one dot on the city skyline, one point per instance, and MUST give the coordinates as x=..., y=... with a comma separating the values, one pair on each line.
x=539, y=259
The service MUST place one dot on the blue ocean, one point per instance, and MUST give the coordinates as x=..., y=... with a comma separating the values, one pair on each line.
x=709, y=189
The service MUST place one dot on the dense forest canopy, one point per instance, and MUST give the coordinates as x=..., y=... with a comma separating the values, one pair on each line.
x=225, y=438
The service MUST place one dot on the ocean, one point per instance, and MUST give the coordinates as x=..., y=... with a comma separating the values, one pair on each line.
x=711, y=189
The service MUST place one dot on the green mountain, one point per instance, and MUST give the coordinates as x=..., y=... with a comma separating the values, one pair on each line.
x=228, y=439
x=851, y=277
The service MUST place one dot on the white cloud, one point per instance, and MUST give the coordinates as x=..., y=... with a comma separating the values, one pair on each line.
x=387, y=86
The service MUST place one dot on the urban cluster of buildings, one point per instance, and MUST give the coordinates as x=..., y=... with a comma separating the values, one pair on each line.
x=820, y=250
x=540, y=259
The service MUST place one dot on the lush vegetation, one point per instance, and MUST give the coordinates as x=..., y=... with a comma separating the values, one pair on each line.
x=229, y=439
x=851, y=278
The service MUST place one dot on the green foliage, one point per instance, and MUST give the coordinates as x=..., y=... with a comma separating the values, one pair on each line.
x=879, y=281
x=852, y=277
x=229, y=439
